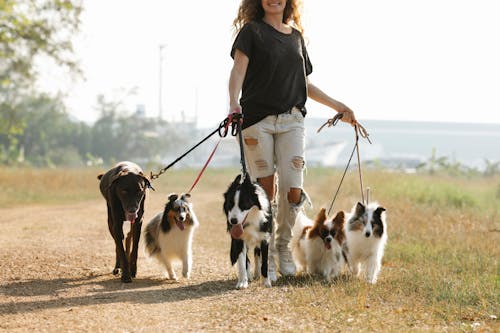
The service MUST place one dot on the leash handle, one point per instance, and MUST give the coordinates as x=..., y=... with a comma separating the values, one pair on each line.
x=332, y=121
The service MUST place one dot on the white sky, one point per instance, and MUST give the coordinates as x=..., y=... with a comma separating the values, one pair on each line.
x=429, y=60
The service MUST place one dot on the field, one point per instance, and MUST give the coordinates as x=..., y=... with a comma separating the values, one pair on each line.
x=440, y=271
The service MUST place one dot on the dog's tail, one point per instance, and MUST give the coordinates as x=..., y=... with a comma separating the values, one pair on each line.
x=151, y=236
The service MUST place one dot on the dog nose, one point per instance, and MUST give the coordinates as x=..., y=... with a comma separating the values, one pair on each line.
x=328, y=239
x=367, y=234
x=234, y=221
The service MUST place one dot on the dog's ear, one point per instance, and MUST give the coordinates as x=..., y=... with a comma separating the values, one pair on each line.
x=237, y=180
x=321, y=217
x=339, y=219
x=247, y=180
x=172, y=197
x=100, y=176
x=378, y=212
x=359, y=210
x=147, y=181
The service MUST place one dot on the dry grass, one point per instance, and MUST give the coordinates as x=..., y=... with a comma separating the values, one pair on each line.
x=440, y=271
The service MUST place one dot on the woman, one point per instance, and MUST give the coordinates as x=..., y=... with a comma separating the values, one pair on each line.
x=270, y=71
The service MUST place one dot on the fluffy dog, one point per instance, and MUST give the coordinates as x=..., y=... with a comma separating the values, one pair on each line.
x=366, y=236
x=169, y=235
x=124, y=188
x=249, y=221
x=317, y=245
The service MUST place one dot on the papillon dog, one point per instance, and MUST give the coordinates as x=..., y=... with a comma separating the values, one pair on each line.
x=317, y=245
x=366, y=236
x=169, y=235
x=249, y=221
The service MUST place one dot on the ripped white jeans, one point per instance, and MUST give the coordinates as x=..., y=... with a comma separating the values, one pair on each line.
x=276, y=144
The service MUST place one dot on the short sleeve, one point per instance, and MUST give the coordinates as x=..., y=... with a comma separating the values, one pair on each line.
x=307, y=62
x=243, y=41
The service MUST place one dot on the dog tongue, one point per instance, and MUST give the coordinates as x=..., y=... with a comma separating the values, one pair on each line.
x=180, y=225
x=328, y=246
x=236, y=231
x=131, y=217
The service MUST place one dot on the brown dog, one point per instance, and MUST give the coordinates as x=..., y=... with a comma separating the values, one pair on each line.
x=124, y=188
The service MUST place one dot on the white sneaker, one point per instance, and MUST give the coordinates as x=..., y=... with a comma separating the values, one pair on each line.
x=271, y=269
x=287, y=266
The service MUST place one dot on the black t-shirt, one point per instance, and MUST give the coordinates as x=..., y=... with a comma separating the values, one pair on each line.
x=275, y=80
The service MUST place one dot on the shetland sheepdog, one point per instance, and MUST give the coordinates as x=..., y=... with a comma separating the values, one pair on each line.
x=249, y=221
x=169, y=235
x=366, y=236
x=317, y=245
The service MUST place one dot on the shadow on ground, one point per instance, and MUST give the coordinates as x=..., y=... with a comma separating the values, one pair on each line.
x=107, y=291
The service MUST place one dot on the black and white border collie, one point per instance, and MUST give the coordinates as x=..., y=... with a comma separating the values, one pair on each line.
x=169, y=235
x=366, y=236
x=249, y=221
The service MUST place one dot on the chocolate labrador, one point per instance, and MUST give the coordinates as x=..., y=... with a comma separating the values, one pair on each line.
x=124, y=188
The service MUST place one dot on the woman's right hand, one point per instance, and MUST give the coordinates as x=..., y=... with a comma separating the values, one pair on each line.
x=234, y=109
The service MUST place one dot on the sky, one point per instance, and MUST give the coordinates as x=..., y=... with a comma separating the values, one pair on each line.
x=426, y=60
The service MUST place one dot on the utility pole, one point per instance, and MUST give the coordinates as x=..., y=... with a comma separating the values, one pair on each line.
x=160, y=92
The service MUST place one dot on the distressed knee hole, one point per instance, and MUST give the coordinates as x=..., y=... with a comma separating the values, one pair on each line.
x=261, y=164
x=293, y=195
x=249, y=141
x=298, y=162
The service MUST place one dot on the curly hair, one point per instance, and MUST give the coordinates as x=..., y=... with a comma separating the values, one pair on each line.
x=251, y=10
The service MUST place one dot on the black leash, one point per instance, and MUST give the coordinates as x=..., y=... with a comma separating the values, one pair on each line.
x=242, y=151
x=359, y=130
x=222, y=129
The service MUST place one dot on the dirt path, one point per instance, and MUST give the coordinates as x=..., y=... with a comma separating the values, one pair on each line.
x=55, y=264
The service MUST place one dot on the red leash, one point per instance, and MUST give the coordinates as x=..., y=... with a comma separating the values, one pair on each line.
x=205, y=166
x=226, y=126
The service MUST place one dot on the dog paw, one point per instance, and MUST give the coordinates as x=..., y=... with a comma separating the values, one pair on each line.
x=242, y=284
x=126, y=279
x=267, y=283
x=116, y=271
x=186, y=275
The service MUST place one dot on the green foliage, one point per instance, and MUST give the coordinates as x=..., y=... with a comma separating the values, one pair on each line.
x=29, y=29
x=443, y=165
x=52, y=139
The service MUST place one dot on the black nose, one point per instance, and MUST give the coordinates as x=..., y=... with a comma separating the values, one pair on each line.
x=367, y=234
x=234, y=221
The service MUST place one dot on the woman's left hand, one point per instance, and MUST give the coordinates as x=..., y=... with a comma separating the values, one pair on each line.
x=347, y=115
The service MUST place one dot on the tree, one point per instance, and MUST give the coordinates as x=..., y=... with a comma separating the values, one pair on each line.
x=29, y=29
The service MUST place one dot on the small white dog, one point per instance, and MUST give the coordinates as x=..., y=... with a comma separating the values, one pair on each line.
x=366, y=236
x=169, y=235
x=317, y=245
